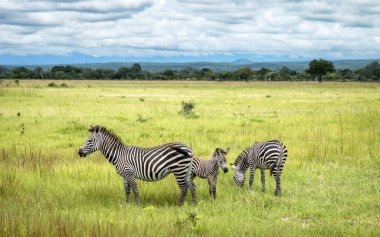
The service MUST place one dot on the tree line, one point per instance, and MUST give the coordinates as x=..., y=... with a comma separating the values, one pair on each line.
x=319, y=70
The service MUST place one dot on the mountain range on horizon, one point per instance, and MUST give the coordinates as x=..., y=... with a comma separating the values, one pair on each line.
x=213, y=62
x=216, y=66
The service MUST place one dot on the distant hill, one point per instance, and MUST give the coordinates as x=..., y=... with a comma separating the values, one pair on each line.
x=242, y=61
x=149, y=66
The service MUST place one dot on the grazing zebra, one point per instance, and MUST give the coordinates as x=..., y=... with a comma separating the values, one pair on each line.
x=209, y=169
x=263, y=155
x=148, y=164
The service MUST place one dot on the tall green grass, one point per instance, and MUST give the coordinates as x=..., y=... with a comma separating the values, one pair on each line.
x=330, y=181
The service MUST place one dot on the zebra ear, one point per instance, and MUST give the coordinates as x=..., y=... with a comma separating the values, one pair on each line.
x=233, y=167
x=227, y=150
x=91, y=129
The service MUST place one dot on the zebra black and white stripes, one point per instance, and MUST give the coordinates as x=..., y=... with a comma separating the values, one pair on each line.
x=209, y=169
x=148, y=164
x=263, y=155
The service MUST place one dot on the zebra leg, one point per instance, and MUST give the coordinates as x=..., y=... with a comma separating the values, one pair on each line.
x=132, y=184
x=214, y=183
x=212, y=186
x=263, y=179
x=127, y=189
x=209, y=181
x=277, y=176
x=183, y=186
x=253, y=169
x=191, y=186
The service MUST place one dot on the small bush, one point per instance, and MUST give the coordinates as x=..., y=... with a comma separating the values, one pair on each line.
x=52, y=84
x=188, y=110
x=64, y=85
x=141, y=118
x=22, y=129
x=17, y=82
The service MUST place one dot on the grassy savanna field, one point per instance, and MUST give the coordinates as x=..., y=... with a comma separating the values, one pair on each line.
x=331, y=180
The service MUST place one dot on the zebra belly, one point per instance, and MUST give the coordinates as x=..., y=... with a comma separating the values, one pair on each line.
x=263, y=166
x=153, y=176
x=203, y=176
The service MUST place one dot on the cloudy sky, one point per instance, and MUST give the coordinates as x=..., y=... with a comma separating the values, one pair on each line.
x=215, y=30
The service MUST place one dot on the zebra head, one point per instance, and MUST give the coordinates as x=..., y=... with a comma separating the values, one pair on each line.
x=240, y=166
x=239, y=176
x=92, y=142
x=220, y=155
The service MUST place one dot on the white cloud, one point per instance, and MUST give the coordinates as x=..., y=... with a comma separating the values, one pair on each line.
x=333, y=29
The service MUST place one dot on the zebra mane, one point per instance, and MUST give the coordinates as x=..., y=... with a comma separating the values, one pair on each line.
x=243, y=156
x=105, y=131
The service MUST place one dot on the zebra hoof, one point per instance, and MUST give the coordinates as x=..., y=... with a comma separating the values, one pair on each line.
x=277, y=192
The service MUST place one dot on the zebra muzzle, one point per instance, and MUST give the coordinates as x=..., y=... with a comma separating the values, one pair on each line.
x=81, y=153
x=225, y=170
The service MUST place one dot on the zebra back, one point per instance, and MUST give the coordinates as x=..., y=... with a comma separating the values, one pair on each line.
x=269, y=155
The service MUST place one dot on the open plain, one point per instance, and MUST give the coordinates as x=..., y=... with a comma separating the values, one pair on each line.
x=331, y=180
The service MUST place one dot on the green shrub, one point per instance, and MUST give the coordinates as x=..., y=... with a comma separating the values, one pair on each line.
x=188, y=110
x=52, y=84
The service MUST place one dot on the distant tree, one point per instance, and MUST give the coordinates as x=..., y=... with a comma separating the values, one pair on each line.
x=135, y=71
x=372, y=71
x=262, y=73
x=187, y=72
x=244, y=73
x=122, y=73
x=225, y=75
x=168, y=74
x=21, y=73
x=206, y=73
x=136, y=68
x=3, y=72
x=286, y=74
x=346, y=74
x=57, y=69
x=320, y=68
x=88, y=73
x=66, y=72
x=105, y=73
x=273, y=76
x=39, y=72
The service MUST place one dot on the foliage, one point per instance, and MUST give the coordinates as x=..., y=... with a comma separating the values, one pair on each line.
x=52, y=84
x=188, y=110
x=244, y=73
x=141, y=118
x=63, y=85
x=320, y=68
x=371, y=71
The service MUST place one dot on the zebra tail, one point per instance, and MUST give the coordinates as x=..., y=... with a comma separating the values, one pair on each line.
x=188, y=173
x=182, y=152
x=279, y=162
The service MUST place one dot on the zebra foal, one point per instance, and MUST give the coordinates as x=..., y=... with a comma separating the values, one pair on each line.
x=209, y=169
x=263, y=155
x=148, y=164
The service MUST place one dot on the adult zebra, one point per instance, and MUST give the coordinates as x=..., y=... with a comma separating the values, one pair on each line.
x=148, y=164
x=209, y=169
x=263, y=155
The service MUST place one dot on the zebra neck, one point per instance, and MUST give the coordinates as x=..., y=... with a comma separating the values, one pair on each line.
x=214, y=166
x=112, y=152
